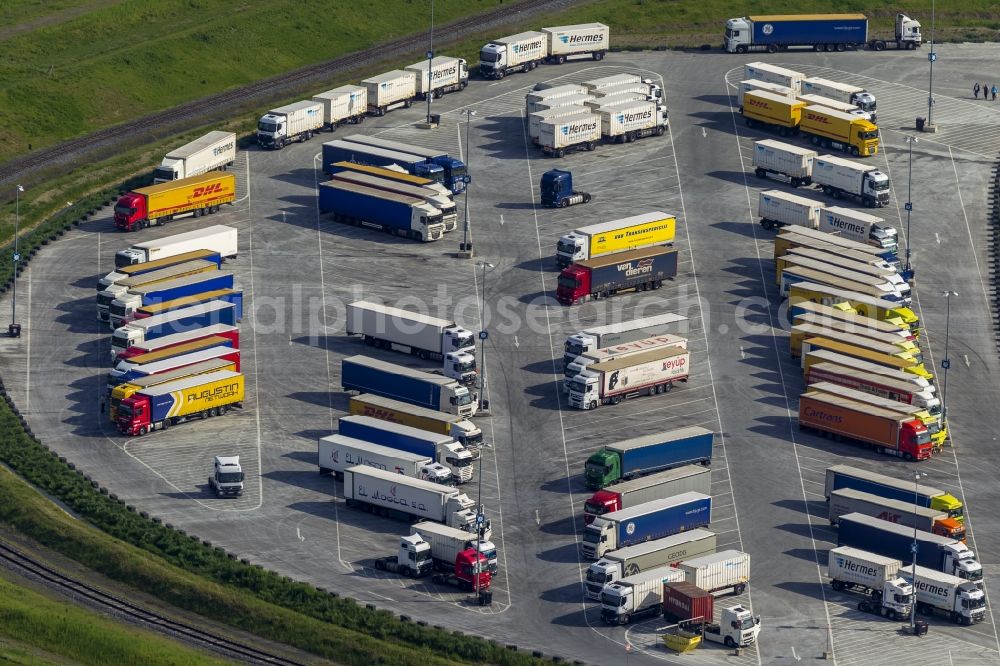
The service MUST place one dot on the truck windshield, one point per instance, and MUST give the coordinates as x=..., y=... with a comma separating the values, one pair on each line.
x=601, y=577
x=465, y=367
x=127, y=211
x=486, y=56
x=574, y=349
x=974, y=603
x=463, y=399
x=125, y=409
x=458, y=172
x=902, y=598
x=869, y=135
x=268, y=127
x=465, y=342
x=421, y=556
x=595, y=509
x=567, y=282
x=230, y=477
x=561, y=246
x=105, y=299
x=924, y=438
x=591, y=536
x=880, y=185
x=730, y=33
x=577, y=386
x=613, y=600
x=459, y=462
x=118, y=309
x=474, y=441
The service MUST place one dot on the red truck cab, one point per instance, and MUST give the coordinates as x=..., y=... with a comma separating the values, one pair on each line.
x=472, y=569
x=915, y=440
x=134, y=417
x=574, y=284
x=130, y=211
x=600, y=503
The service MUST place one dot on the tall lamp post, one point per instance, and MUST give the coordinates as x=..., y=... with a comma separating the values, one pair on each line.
x=15, y=330
x=430, y=65
x=946, y=362
x=910, y=140
x=914, y=548
x=932, y=56
x=466, y=245
x=483, y=336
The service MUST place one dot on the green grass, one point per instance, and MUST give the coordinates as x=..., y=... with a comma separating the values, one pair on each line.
x=61, y=628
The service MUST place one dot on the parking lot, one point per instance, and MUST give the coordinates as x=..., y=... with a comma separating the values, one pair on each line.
x=299, y=269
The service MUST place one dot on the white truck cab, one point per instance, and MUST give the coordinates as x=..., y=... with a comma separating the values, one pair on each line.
x=227, y=479
x=460, y=366
x=738, y=627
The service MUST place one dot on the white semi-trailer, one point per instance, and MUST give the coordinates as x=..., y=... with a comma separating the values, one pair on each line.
x=390, y=90
x=777, y=157
x=343, y=105
x=337, y=452
x=215, y=150
x=443, y=74
x=839, y=177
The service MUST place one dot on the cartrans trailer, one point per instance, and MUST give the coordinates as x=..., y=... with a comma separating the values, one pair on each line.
x=635, y=232
x=165, y=405
x=652, y=520
x=648, y=454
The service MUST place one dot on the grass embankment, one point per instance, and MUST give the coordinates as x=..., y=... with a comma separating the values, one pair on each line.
x=191, y=574
x=58, y=628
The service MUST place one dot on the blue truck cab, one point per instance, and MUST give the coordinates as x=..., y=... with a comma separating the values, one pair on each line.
x=556, y=190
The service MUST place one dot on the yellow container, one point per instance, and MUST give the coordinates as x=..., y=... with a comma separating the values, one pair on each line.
x=861, y=135
x=682, y=641
x=768, y=107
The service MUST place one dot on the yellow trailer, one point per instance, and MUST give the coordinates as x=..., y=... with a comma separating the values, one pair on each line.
x=777, y=112
x=156, y=204
x=864, y=304
x=897, y=361
x=830, y=128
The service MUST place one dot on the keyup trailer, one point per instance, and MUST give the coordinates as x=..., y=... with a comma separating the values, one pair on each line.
x=611, y=382
x=598, y=337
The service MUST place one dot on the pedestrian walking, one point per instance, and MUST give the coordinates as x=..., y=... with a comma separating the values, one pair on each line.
x=975, y=90
x=986, y=91
x=994, y=91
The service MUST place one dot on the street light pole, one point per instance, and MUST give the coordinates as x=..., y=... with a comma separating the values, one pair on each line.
x=910, y=140
x=946, y=362
x=430, y=66
x=914, y=548
x=930, y=84
x=466, y=245
x=17, y=256
x=483, y=335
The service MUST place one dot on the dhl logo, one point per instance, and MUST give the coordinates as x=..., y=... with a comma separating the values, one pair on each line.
x=823, y=120
x=204, y=191
x=750, y=101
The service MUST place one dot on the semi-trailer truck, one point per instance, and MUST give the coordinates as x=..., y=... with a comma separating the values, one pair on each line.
x=394, y=172
x=462, y=430
x=637, y=596
x=413, y=333
x=294, y=122
x=845, y=476
x=906, y=35
x=841, y=92
x=215, y=150
x=122, y=309
x=661, y=485
x=875, y=383
x=876, y=287
x=597, y=337
x=855, y=335
x=396, y=496
x=225, y=330
x=632, y=119
x=369, y=375
x=582, y=362
x=844, y=313
x=897, y=361
x=776, y=157
x=865, y=261
x=874, y=576
x=611, y=382
x=726, y=570
x=164, y=405
x=439, y=448
x=343, y=105
x=127, y=389
x=830, y=128
x=572, y=41
x=337, y=452
x=847, y=500
x=776, y=209
x=631, y=560
x=892, y=540
x=158, y=204
x=558, y=136
x=445, y=204
x=447, y=542
x=340, y=150
x=864, y=304
x=130, y=373
x=652, y=520
x=397, y=214
x=629, y=233
x=454, y=171
x=140, y=360
x=763, y=71
x=234, y=296
x=887, y=432
x=839, y=177
x=648, y=454
x=137, y=270
x=439, y=76
x=216, y=238
x=801, y=236
x=106, y=297
x=829, y=32
x=632, y=270
x=936, y=592
x=168, y=323
x=390, y=90
x=858, y=226
x=917, y=383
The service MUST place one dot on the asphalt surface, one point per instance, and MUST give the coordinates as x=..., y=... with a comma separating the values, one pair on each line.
x=298, y=270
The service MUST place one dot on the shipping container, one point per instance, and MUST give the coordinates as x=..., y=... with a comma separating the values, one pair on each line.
x=215, y=150
x=536, y=119
x=687, y=601
x=770, y=156
x=628, y=121
x=343, y=105
x=292, y=122
x=553, y=93
x=558, y=136
x=962, y=601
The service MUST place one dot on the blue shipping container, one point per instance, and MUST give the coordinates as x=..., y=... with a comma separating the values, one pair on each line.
x=891, y=540
x=911, y=495
x=809, y=31
x=393, y=435
x=692, y=447
x=662, y=518
x=367, y=375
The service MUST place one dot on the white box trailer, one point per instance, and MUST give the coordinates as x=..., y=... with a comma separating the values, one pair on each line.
x=963, y=601
x=584, y=361
x=777, y=208
x=857, y=226
x=597, y=337
x=600, y=103
x=561, y=135
x=871, y=575
x=636, y=596
x=336, y=453
x=292, y=122
x=516, y=53
x=343, y=105
x=396, y=496
x=761, y=71
x=578, y=100
x=536, y=119
x=446, y=74
x=215, y=150
x=390, y=90
x=753, y=85
x=794, y=162
x=408, y=332
x=554, y=92
x=631, y=560
x=836, y=105
x=638, y=87
x=447, y=542
x=725, y=570
x=838, y=177
x=850, y=500
x=613, y=80
x=217, y=238
x=626, y=122
x=842, y=92
x=582, y=39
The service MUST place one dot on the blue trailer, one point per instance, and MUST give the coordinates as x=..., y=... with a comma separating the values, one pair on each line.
x=845, y=476
x=177, y=321
x=456, y=176
x=648, y=454
x=414, y=387
x=391, y=212
x=234, y=296
x=934, y=551
x=125, y=306
x=340, y=150
x=645, y=522
x=437, y=447
x=830, y=32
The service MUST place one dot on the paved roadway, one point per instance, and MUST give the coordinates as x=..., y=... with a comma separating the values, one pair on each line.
x=298, y=270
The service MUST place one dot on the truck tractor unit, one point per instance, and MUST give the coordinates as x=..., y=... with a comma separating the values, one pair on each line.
x=214, y=151
x=632, y=270
x=821, y=32
x=839, y=177
x=661, y=485
x=906, y=35
x=606, y=238
x=458, y=428
x=165, y=405
x=344, y=105
x=291, y=123
x=158, y=204
x=848, y=500
x=227, y=478
x=424, y=389
x=636, y=596
x=876, y=577
x=412, y=558
x=648, y=454
x=470, y=572
x=737, y=628
x=937, y=593
x=645, y=522
x=597, y=337
x=648, y=373
x=217, y=238
x=338, y=452
x=783, y=159
x=556, y=190
x=845, y=476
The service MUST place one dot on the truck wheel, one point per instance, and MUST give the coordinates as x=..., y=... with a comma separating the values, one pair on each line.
x=837, y=585
x=841, y=48
x=730, y=643
x=561, y=60
x=379, y=565
x=560, y=152
x=767, y=224
x=562, y=203
x=741, y=49
x=760, y=173
x=772, y=48
x=142, y=430
x=499, y=75
x=166, y=424
x=667, y=387
x=854, y=151
x=910, y=46
x=586, y=198
x=599, y=55
x=627, y=618
x=593, y=404
x=591, y=145
x=796, y=182
x=739, y=589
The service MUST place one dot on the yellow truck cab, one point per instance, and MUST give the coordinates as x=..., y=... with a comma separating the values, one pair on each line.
x=830, y=128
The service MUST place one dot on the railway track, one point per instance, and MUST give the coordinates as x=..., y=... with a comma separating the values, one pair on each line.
x=136, y=614
x=206, y=109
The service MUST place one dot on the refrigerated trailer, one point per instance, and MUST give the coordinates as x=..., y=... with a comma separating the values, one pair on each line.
x=216, y=238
